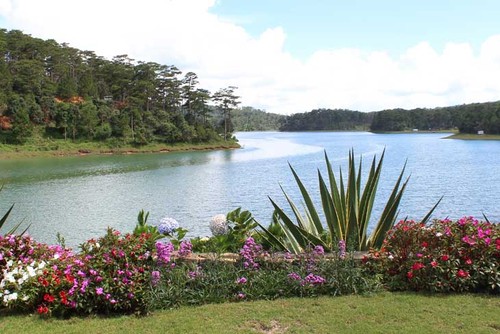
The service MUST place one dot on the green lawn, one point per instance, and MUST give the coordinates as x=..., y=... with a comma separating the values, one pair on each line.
x=377, y=313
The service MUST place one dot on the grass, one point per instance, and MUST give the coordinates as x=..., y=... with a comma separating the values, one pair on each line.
x=377, y=313
x=470, y=136
x=60, y=147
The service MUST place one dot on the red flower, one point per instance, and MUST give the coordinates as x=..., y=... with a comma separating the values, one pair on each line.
x=462, y=273
x=425, y=244
x=468, y=261
x=48, y=298
x=417, y=266
x=42, y=309
x=434, y=264
x=70, y=278
x=445, y=257
x=64, y=298
x=409, y=274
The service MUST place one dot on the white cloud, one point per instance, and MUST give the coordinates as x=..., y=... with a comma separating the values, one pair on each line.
x=184, y=33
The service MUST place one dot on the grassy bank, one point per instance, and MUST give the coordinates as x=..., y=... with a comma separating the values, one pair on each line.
x=51, y=148
x=469, y=136
x=414, y=132
x=378, y=313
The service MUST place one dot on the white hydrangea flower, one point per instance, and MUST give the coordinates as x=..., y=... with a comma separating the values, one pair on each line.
x=218, y=225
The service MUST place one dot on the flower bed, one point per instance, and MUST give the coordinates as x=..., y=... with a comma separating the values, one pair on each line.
x=140, y=271
x=136, y=273
x=445, y=256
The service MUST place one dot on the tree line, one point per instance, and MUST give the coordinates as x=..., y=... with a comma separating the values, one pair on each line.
x=327, y=120
x=467, y=118
x=58, y=91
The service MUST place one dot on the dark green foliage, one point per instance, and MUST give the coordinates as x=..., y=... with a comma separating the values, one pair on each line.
x=327, y=120
x=468, y=118
x=75, y=94
x=250, y=119
x=218, y=281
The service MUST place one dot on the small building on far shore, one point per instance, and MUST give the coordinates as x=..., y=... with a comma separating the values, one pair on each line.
x=480, y=132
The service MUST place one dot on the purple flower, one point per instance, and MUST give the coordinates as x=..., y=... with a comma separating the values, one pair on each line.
x=241, y=295
x=249, y=252
x=164, y=251
x=318, y=250
x=99, y=291
x=167, y=225
x=342, y=247
x=294, y=276
x=155, y=277
x=185, y=248
x=241, y=280
x=314, y=279
x=84, y=286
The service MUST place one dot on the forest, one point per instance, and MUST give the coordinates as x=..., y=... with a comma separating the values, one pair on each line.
x=327, y=120
x=467, y=118
x=55, y=91
x=251, y=119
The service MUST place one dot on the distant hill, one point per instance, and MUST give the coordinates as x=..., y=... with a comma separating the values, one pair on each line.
x=328, y=120
x=251, y=119
x=467, y=118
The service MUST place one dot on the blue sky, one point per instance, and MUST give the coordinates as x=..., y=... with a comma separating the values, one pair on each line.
x=392, y=25
x=289, y=56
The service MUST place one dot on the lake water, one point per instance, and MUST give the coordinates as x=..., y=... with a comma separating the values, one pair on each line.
x=80, y=196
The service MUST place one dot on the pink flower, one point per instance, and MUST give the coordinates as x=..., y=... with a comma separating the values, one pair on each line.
x=462, y=273
x=445, y=257
x=417, y=266
x=99, y=291
x=241, y=280
x=434, y=264
x=471, y=241
x=409, y=274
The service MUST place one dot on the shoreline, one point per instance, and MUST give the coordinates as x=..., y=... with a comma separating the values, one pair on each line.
x=86, y=150
x=470, y=136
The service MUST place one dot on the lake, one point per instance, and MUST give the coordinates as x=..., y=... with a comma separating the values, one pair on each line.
x=80, y=196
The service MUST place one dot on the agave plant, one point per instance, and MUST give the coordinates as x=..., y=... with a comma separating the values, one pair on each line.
x=346, y=209
x=4, y=219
